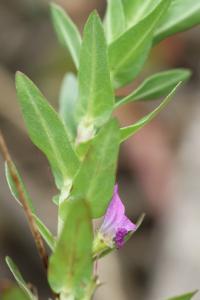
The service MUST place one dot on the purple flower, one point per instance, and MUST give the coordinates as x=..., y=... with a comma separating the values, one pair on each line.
x=116, y=225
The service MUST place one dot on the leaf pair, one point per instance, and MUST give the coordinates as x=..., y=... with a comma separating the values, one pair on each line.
x=130, y=28
x=124, y=14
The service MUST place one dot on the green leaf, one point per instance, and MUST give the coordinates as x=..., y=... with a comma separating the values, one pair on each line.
x=12, y=187
x=181, y=15
x=96, y=98
x=46, y=130
x=67, y=101
x=96, y=178
x=136, y=10
x=115, y=22
x=67, y=32
x=188, y=296
x=14, y=293
x=128, y=131
x=18, y=277
x=129, y=52
x=156, y=86
x=70, y=266
x=45, y=233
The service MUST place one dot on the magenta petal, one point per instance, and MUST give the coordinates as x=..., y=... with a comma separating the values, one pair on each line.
x=127, y=224
x=116, y=224
x=115, y=212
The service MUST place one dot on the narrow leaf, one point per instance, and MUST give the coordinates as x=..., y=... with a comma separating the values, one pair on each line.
x=128, y=53
x=67, y=32
x=96, y=178
x=96, y=96
x=13, y=189
x=181, y=15
x=136, y=10
x=18, y=277
x=115, y=22
x=126, y=132
x=67, y=102
x=45, y=233
x=46, y=130
x=156, y=86
x=70, y=266
x=188, y=296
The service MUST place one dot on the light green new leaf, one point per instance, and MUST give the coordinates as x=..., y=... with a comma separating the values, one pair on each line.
x=136, y=10
x=70, y=266
x=18, y=277
x=115, y=22
x=96, y=178
x=129, y=52
x=46, y=130
x=96, y=98
x=188, y=296
x=67, y=32
x=128, y=131
x=12, y=187
x=45, y=233
x=67, y=101
x=14, y=293
x=156, y=86
x=181, y=15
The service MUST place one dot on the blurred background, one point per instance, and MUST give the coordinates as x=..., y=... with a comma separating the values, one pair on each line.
x=159, y=168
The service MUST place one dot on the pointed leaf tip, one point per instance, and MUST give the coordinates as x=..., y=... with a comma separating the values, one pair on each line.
x=96, y=96
x=187, y=296
x=128, y=131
